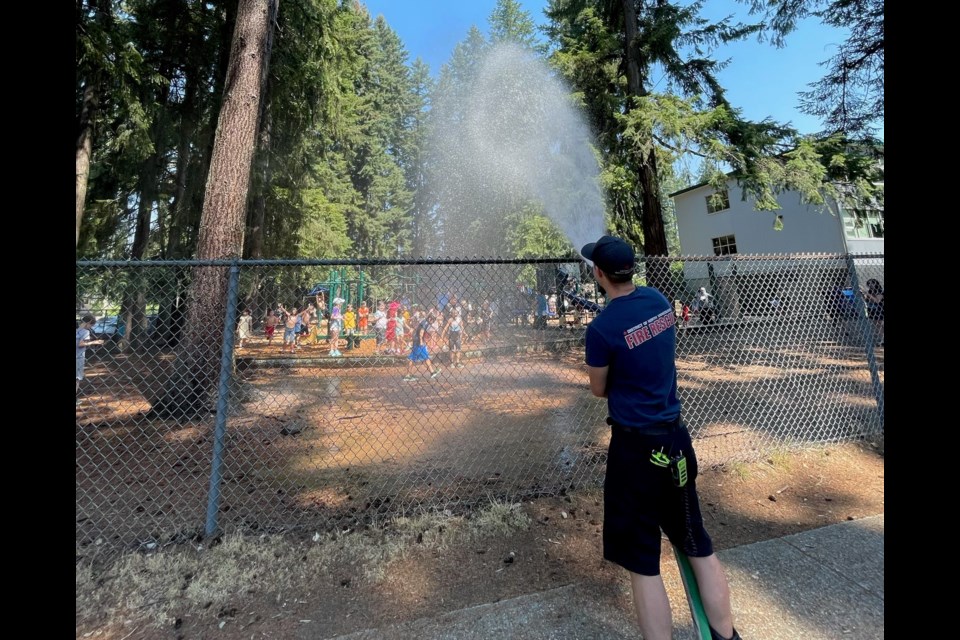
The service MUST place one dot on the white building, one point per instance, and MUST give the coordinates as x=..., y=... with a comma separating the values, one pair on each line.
x=736, y=227
x=727, y=226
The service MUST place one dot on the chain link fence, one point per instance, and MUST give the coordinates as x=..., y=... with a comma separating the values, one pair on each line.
x=269, y=396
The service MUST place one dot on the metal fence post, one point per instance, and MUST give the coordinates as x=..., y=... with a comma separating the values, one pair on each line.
x=867, y=329
x=223, y=389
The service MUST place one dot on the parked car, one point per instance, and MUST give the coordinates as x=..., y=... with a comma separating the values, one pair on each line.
x=108, y=328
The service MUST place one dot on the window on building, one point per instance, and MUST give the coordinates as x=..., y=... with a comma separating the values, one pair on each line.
x=718, y=201
x=724, y=245
x=863, y=223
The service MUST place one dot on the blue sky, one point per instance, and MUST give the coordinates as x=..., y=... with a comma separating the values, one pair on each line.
x=761, y=80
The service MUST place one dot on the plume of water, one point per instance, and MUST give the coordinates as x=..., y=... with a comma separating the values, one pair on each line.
x=509, y=136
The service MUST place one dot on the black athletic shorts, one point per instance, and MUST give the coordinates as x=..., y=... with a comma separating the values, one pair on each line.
x=640, y=499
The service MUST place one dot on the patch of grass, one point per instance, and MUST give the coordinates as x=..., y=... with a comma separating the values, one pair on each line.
x=158, y=587
x=152, y=584
x=138, y=587
x=89, y=596
x=499, y=519
x=152, y=588
x=432, y=530
x=375, y=548
x=370, y=550
x=780, y=458
x=241, y=565
x=740, y=469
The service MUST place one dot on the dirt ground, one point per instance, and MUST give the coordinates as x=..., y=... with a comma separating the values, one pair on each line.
x=303, y=429
x=324, y=586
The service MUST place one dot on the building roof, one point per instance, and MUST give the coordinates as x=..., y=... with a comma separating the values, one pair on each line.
x=690, y=188
x=730, y=174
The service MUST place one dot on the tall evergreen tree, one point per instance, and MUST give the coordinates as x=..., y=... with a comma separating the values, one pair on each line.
x=155, y=128
x=456, y=193
x=383, y=88
x=224, y=210
x=849, y=97
x=509, y=22
x=301, y=191
x=415, y=160
x=110, y=76
x=611, y=51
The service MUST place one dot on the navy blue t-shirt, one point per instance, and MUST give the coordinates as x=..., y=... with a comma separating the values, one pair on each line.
x=635, y=335
x=418, y=332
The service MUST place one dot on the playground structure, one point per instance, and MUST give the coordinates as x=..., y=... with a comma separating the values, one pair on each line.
x=341, y=287
x=573, y=291
x=580, y=302
x=353, y=290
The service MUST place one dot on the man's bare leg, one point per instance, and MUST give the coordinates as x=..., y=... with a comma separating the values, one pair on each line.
x=715, y=593
x=652, y=606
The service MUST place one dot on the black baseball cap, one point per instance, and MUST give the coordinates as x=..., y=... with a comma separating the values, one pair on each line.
x=612, y=255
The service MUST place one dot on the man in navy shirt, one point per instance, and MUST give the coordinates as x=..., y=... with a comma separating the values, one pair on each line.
x=630, y=357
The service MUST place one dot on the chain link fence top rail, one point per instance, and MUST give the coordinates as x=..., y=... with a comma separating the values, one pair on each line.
x=280, y=395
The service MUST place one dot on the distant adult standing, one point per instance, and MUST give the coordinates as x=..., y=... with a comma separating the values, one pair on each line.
x=540, y=318
x=875, y=297
x=454, y=331
x=84, y=340
x=705, y=306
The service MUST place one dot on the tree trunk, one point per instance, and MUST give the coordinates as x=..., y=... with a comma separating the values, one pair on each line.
x=85, y=150
x=206, y=138
x=222, y=222
x=654, y=233
x=651, y=210
x=178, y=213
x=259, y=209
x=134, y=302
x=89, y=110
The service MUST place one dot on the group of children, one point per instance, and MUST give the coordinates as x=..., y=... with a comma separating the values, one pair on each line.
x=397, y=327
x=302, y=325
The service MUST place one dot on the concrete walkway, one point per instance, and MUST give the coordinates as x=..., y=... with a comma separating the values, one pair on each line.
x=822, y=584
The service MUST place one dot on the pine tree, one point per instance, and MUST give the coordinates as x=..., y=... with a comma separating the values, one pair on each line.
x=224, y=211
